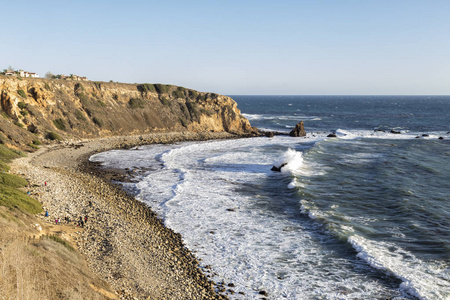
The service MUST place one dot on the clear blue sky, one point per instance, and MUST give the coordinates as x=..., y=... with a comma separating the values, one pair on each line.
x=237, y=47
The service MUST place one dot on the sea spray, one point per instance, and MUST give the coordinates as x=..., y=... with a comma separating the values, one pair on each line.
x=290, y=161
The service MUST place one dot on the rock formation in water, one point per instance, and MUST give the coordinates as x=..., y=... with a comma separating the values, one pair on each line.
x=278, y=169
x=299, y=130
x=39, y=110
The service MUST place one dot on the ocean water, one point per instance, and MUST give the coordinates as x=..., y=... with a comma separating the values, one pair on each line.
x=365, y=215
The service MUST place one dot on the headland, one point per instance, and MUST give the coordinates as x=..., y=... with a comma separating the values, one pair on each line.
x=61, y=124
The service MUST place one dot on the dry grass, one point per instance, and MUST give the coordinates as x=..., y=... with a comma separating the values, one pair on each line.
x=41, y=268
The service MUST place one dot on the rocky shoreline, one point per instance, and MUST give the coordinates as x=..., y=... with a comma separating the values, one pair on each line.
x=124, y=242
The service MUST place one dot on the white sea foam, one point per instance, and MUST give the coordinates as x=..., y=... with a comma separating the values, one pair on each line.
x=403, y=135
x=252, y=116
x=206, y=191
x=420, y=279
x=295, y=118
x=290, y=162
x=360, y=158
x=292, y=184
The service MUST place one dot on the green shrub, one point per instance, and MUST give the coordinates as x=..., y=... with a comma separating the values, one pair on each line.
x=136, y=103
x=18, y=124
x=207, y=112
x=79, y=115
x=22, y=105
x=193, y=94
x=33, y=146
x=165, y=101
x=53, y=136
x=101, y=103
x=10, y=196
x=97, y=121
x=6, y=155
x=162, y=88
x=193, y=110
x=13, y=198
x=4, y=115
x=83, y=98
x=183, y=122
x=146, y=87
x=178, y=94
x=36, y=142
x=22, y=93
x=80, y=87
x=47, y=87
x=98, y=84
x=4, y=166
x=12, y=180
x=24, y=113
x=61, y=241
x=60, y=124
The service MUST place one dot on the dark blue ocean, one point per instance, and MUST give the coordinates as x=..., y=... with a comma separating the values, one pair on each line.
x=364, y=215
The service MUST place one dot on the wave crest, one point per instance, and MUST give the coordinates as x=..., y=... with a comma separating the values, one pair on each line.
x=290, y=162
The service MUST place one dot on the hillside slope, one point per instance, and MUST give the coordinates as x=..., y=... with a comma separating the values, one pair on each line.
x=39, y=110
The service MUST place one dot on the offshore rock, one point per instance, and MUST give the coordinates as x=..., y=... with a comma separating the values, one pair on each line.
x=299, y=130
x=278, y=169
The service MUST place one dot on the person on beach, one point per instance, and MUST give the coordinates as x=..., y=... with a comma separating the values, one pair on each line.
x=85, y=219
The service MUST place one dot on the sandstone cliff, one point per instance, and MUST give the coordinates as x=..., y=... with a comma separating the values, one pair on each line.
x=40, y=110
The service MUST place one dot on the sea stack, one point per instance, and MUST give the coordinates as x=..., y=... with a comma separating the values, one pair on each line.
x=299, y=130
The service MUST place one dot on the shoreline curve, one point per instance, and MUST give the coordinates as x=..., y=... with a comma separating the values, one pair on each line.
x=124, y=241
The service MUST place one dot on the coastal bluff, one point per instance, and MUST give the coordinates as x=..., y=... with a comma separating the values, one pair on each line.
x=124, y=251
x=35, y=111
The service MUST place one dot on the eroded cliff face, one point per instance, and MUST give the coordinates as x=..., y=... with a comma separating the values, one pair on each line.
x=35, y=110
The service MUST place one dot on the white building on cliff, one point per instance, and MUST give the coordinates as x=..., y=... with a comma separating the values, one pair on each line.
x=21, y=73
x=25, y=74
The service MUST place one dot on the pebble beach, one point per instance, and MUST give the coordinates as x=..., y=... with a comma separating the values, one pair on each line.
x=124, y=242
